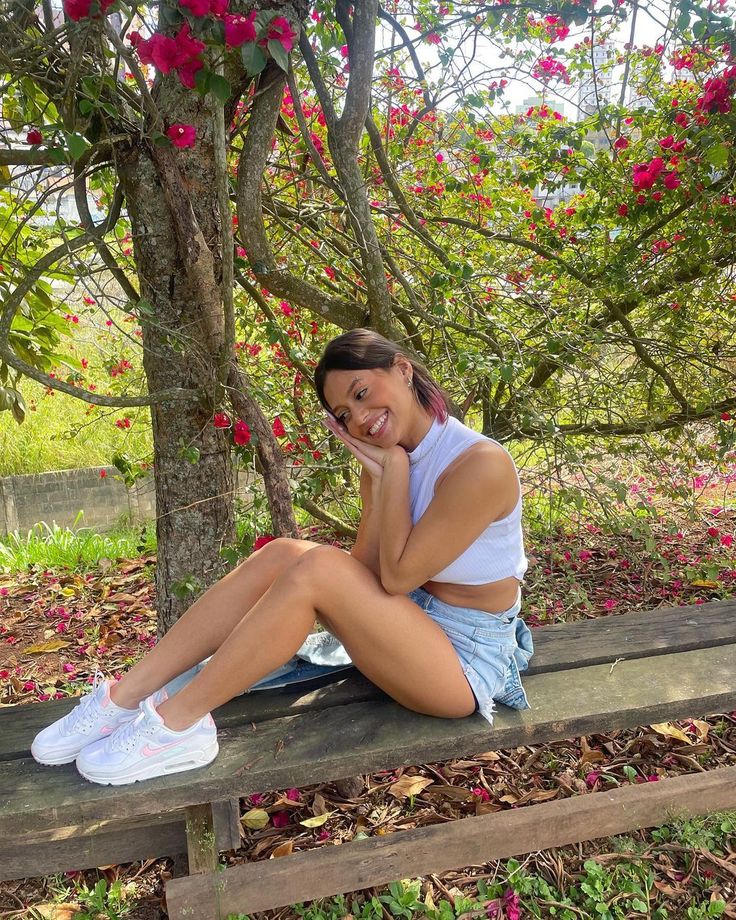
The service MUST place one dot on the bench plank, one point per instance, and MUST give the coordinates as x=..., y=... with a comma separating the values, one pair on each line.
x=422, y=851
x=112, y=843
x=559, y=647
x=364, y=737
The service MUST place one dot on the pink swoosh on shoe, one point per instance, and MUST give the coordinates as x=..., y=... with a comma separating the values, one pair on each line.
x=151, y=752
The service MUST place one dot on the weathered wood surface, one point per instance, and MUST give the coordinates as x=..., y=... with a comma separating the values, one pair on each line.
x=58, y=849
x=559, y=647
x=363, y=737
x=202, y=850
x=422, y=851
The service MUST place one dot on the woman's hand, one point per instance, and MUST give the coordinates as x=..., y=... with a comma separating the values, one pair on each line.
x=371, y=457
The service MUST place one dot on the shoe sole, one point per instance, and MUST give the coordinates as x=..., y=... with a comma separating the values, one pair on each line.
x=194, y=762
x=54, y=763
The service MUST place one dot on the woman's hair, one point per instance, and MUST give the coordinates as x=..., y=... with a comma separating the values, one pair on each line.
x=363, y=349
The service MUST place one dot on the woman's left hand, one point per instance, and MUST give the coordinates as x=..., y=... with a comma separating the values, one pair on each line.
x=372, y=457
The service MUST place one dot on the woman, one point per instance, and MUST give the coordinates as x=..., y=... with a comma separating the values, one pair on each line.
x=426, y=603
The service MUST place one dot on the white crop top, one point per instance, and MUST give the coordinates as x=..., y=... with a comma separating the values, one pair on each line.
x=499, y=550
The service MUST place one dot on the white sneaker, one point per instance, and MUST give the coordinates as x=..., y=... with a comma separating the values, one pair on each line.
x=145, y=748
x=94, y=717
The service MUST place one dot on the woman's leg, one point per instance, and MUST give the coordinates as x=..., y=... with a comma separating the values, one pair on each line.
x=390, y=639
x=209, y=621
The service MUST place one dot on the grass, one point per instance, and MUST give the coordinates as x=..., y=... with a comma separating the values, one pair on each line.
x=54, y=547
x=66, y=433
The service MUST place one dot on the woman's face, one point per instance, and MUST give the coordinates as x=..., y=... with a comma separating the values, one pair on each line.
x=377, y=406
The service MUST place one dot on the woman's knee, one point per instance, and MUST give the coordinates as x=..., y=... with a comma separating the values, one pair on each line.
x=275, y=556
x=320, y=566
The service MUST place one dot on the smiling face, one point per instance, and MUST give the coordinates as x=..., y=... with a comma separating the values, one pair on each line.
x=377, y=405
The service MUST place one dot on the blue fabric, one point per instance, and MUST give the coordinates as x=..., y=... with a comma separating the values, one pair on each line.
x=494, y=648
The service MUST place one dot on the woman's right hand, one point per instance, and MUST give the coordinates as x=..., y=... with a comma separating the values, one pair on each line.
x=370, y=457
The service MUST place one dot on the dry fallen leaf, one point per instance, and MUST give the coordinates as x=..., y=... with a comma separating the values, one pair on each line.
x=255, y=819
x=671, y=731
x=41, y=647
x=409, y=785
x=283, y=849
x=51, y=911
x=317, y=820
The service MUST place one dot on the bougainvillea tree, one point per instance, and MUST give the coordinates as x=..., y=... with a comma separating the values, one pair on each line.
x=273, y=173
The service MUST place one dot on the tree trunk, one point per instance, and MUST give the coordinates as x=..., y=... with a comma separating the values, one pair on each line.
x=194, y=501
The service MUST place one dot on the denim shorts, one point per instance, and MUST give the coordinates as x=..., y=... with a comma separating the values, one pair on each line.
x=493, y=648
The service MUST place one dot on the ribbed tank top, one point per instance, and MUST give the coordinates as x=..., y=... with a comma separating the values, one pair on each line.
x=499, y=550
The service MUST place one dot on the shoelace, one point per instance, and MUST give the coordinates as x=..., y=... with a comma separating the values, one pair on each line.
x=83, y=716
x=127, y=735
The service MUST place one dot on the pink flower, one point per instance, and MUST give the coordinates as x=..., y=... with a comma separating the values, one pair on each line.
x=259, y=542
x=592, y=778
x=682, y=120
x=621, y=143
x=713, y=531
x=68, y=668
x=34, y=136
x=439, y=157
x=182, y=135
x=159, y=50
x=727, y=540
x=278, y=427
x=671, y=180
x=480, y=793
x=257, y=799
x=286, y=308
x=221, y=420
x=80, y=9
x=280, y=30
x=280, y=818
x=293, y=795
x=344, y=51
x=241, y=434
x=623, y=210
x=240, y=29
x=188, y=70
x=667, y=142
x=584, y=555
x=196, y=7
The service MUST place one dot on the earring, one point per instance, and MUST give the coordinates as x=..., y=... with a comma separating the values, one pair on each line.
x=408, y=382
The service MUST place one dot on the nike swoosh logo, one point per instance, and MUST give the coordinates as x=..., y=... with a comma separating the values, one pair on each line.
x=152, y=751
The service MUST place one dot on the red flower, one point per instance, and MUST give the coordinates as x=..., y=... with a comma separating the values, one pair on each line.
x=621, y=143
x=712, y=531
x=182, y=135
x=161, y=51
x=280, y=818
x=103, y=474
x=221, y=420
x=330, y=272
x=667, y=142
x=188, y=70
x=623, y=210
x=218, y=7
x=80, y=9
x=286, y=308
x=278, y=427
x=240, y=29
x=671, y=180
x=725, y=417
x=259, y=542
x=241, y=434
x=681, y=119
x=34, y=136
x=280, y=30
x=196, y=7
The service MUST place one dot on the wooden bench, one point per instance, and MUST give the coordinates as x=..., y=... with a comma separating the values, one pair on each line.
x=595, y=675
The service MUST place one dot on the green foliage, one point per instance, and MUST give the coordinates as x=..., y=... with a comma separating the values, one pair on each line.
x=54, y=547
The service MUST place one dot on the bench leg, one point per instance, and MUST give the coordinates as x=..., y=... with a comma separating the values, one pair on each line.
x=201, y=842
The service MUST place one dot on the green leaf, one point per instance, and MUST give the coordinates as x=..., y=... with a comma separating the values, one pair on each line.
x=85, y=106
x=683, y=21
x=203, y=80
x=220, y=87
x=276, y=50
x=76, y=145
x=254, y=60
x=57, y=155
x=18, y=408
x=718, y=155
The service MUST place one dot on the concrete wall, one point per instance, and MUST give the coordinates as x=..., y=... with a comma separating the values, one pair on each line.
x=60, y=496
